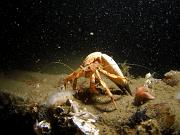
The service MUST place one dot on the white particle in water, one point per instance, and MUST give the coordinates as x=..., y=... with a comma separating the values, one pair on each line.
x=91, y=33
x=167, y=21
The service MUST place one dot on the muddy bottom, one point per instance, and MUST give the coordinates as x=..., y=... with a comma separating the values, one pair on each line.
x=26, y=96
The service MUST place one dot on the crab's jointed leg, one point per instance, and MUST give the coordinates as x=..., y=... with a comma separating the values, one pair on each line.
x=108, y=92
x=72, y=78
x=93, y=84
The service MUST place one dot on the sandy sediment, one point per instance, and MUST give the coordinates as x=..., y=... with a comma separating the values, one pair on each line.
x=161, y=114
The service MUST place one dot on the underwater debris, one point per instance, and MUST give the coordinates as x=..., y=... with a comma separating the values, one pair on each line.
x=152, y=119
x=86, y=126
x=142, y=95
x=150, y=80
x=72, y=116
x=138, y=117
x=171, y=78
x=84, y=120
x=164, y=116
x=74, y=107
x=149, y=127
x=42, y=128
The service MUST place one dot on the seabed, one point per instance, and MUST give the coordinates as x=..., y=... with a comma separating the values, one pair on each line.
x=28, y=98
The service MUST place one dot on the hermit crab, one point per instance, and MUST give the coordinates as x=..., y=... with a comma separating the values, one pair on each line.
x=93, y=66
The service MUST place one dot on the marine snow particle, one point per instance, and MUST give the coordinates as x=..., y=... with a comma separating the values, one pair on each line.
x=91, y=33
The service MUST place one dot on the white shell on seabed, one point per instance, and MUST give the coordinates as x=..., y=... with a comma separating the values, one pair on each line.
x=148, y=75
x=42, y=127
x=83, y=119
x=86, y=127
x=150, y=80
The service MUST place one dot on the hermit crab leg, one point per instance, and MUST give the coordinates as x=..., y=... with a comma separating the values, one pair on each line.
x=105, y=87
x=72, y=78
x=74, y=84
x=93, y=84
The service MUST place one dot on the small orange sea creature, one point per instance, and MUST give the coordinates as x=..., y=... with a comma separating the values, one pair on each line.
x=142, y=95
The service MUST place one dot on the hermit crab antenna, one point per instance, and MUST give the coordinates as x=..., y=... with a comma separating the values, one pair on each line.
x=65, y=65
x=138, y=65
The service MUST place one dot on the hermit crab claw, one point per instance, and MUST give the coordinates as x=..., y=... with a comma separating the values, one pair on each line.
x=115, y=74
x=125, y=89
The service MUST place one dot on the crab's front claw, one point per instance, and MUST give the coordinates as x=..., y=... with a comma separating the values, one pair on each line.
x=124, y=85
x=128, y=89
x=125, y=89
x=119, y=80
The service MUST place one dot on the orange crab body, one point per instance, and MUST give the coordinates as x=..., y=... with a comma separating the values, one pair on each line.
x=92, y=67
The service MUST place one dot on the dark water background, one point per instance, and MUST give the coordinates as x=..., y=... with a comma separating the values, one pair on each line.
x=145, y=32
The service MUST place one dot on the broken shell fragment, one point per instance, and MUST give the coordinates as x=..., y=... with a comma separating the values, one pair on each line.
x=82, y=119
x=149, y=126
x=77, y=118
x=142, y=95
x=74, y=107
x=42, y=127
x=87, y=127
x=150, y=81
